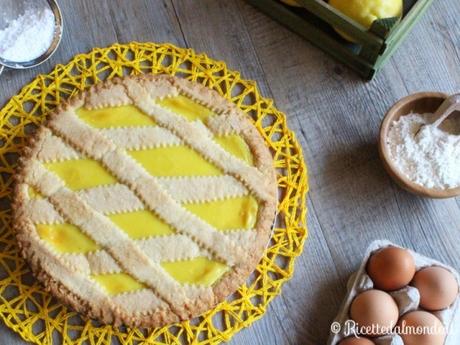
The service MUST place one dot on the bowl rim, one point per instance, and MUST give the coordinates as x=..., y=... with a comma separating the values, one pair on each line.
x=58, y=32
x=388, y=163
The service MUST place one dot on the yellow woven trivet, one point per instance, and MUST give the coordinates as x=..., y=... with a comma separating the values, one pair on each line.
x=33, y=313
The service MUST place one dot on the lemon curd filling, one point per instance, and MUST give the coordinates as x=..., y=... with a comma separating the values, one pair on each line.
x=186, y=107
x=140, y=224
x=81, y=173
x=235, y=145
x=174, y=161
x=124, y=116
x=117, y=283
x=239, y=213
x=200, y=270
x=66, y=238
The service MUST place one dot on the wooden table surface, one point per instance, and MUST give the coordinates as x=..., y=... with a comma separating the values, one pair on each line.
x=336, y=117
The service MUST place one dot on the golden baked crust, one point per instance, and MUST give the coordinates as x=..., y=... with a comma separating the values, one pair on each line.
x=64, y=135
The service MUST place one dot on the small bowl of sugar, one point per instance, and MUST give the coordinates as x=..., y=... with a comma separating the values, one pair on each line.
x=30, y=32
x=419, y=144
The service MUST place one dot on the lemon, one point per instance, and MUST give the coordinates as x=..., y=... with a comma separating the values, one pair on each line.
x=366, y=12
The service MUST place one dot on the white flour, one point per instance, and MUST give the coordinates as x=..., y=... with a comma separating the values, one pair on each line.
x=28, y=36
x=432, y=159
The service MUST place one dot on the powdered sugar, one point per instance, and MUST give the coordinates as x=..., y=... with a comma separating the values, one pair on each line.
x=432, y=158
x=29, y=36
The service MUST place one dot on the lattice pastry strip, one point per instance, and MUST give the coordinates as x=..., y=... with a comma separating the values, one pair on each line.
x=127, y=138
x=118, y=198
x=171, y=248
x=131, y=138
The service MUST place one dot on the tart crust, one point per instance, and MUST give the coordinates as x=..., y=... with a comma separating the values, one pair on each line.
x=260, y=181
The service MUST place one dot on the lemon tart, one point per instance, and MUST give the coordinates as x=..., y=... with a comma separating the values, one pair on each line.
x=145, y=200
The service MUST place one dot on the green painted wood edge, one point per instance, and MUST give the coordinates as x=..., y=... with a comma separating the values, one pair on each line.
x=370, y=54
x=398, y=37
x=314, y=34
x=342, y=22
x=383, y=27
x=411, y=18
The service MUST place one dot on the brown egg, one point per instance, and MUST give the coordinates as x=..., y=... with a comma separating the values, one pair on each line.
x=422, y=320
x=437, y=286
x=356, y=341
x=391, y=268
x=375, y=308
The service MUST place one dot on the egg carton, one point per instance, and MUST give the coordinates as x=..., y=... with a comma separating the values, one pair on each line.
x=408, y=299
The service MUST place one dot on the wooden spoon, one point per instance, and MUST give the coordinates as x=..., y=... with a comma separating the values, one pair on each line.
x=448, y=107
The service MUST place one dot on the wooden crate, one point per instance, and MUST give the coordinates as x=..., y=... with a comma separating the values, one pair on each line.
x=316, y=21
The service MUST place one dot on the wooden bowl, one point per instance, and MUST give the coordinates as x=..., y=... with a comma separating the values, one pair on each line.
x=420, y=103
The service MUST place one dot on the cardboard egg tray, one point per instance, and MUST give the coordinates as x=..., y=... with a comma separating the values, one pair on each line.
x=407, y=299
